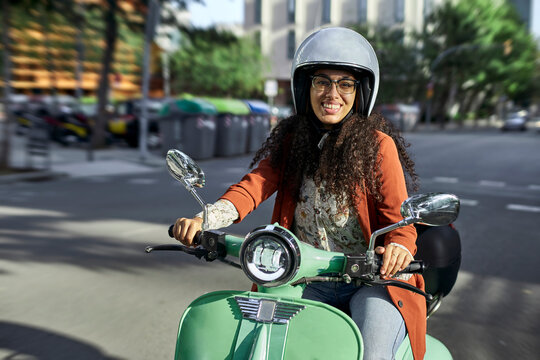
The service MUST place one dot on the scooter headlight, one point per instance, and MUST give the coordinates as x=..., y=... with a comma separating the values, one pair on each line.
x=270, y=256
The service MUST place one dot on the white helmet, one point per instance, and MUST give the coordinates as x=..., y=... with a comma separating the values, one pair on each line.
x=338, y=48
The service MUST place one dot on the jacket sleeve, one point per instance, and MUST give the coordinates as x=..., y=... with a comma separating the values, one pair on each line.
x=394, y=192
x=253, y=189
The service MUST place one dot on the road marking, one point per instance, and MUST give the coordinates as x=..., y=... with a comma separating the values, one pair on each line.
x=450, y=180
x=138, y=231
x=6, y=211
x=97, y=179
x=534, y=187
x=519, y=207
x=142, y=181
x=468, y=202
x=492, y=183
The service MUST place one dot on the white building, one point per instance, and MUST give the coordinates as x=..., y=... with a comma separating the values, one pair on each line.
x=281, y=25
x=529, y=10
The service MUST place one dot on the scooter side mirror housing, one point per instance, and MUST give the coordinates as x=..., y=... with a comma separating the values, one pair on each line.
x=187, y=171
x=433, y=209
x=184, y=169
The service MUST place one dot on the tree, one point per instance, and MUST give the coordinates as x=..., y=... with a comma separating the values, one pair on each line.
x=217, y=63
x=401, y=73
x=110, y=37
x=110, y=17
x=5, y=145
x=477, y=51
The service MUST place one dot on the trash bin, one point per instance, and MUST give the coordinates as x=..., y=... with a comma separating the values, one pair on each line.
x=259, y=124
x=189, y=125
x=232, y=126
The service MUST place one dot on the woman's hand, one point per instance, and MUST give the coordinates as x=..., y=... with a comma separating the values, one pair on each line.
x=185, y=229
x=394, y=259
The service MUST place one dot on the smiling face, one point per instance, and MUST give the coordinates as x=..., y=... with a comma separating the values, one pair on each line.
x=329, y=105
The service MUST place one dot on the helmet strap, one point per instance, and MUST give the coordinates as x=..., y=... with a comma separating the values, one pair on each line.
x=366, y=92
x=360, y=100
x=322, y=131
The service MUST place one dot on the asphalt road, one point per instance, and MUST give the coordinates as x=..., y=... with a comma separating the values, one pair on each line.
x=76, y=283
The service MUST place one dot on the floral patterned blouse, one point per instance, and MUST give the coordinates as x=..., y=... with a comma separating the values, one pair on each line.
x=321, y=221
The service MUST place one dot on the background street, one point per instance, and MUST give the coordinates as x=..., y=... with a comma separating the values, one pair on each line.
x=77, y=284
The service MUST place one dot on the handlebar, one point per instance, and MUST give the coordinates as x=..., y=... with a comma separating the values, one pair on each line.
x=198, y=252
x=415, y=267
x=196, y=239
x=357, y=268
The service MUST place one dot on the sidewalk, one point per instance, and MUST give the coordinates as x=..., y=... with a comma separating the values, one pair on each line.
x=73, y=161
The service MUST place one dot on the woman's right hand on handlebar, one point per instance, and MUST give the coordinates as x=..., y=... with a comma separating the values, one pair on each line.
x=186, y=229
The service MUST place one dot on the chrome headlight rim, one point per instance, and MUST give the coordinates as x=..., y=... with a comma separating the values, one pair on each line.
x=285, y=239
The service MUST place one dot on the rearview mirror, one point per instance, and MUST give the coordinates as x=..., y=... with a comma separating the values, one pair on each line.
x=184, y=169
x=433, y=209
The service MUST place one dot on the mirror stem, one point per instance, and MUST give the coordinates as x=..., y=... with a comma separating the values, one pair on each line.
x=205, y=218
x=370, y=253
x=194, y=193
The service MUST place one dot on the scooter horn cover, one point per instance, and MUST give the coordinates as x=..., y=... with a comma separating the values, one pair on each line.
x=336, y=48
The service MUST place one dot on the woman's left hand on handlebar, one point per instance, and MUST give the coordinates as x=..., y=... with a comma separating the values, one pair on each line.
x=394, y=259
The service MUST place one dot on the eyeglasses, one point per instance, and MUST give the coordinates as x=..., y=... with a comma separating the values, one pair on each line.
x=324, y=83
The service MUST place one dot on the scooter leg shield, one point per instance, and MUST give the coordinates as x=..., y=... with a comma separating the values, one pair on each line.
x=248, y=325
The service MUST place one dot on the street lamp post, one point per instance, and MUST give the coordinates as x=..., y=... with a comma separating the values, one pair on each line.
x=151, y=22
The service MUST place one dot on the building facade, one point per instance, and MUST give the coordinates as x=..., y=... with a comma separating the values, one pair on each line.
x=44, y=58
x=529, y=11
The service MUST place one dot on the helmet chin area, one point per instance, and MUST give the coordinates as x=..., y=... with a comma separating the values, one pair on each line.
x=270, y=256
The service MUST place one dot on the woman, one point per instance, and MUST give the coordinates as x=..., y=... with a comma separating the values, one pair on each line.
x=338, y=173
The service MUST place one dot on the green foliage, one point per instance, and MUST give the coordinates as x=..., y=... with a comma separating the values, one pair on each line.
x=401, y=74
x=486, y=46
x=218, y=64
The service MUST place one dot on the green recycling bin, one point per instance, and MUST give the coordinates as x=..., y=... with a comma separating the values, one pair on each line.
x=259, y=124
x=189, y=125
x=232, y=126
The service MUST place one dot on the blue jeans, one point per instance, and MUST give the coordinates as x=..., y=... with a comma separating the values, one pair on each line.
x=380, y=323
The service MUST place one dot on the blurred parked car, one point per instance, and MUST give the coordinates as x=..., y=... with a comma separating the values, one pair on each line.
x=59, y=115
x=536, y=124
x=404, y=117
x=127, y=122
x=17, y=102
x=515, y=120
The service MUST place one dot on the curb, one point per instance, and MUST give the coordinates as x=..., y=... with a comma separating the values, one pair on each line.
x=40, y=175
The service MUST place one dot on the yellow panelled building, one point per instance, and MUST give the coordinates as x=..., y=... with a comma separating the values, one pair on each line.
x=37, y=68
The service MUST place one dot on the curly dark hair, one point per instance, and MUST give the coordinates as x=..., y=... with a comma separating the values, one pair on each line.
x=348, y=158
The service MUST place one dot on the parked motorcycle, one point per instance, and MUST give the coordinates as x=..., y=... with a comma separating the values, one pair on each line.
x=275, y=322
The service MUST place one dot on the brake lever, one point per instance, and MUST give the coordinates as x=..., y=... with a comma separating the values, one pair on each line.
x=198, y=252
x=309, y=280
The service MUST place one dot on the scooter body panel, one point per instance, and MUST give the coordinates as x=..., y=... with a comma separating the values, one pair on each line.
x=238, y=325
x=435, y=350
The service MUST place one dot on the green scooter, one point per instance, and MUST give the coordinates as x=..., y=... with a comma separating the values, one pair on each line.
x=275, y=322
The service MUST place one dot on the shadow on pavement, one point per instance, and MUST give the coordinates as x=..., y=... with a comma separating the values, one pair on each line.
x=21, y=341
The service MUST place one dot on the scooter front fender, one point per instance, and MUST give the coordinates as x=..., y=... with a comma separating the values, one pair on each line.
x=249, y=325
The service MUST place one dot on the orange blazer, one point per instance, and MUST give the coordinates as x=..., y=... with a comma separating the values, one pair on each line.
x=264, y=180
